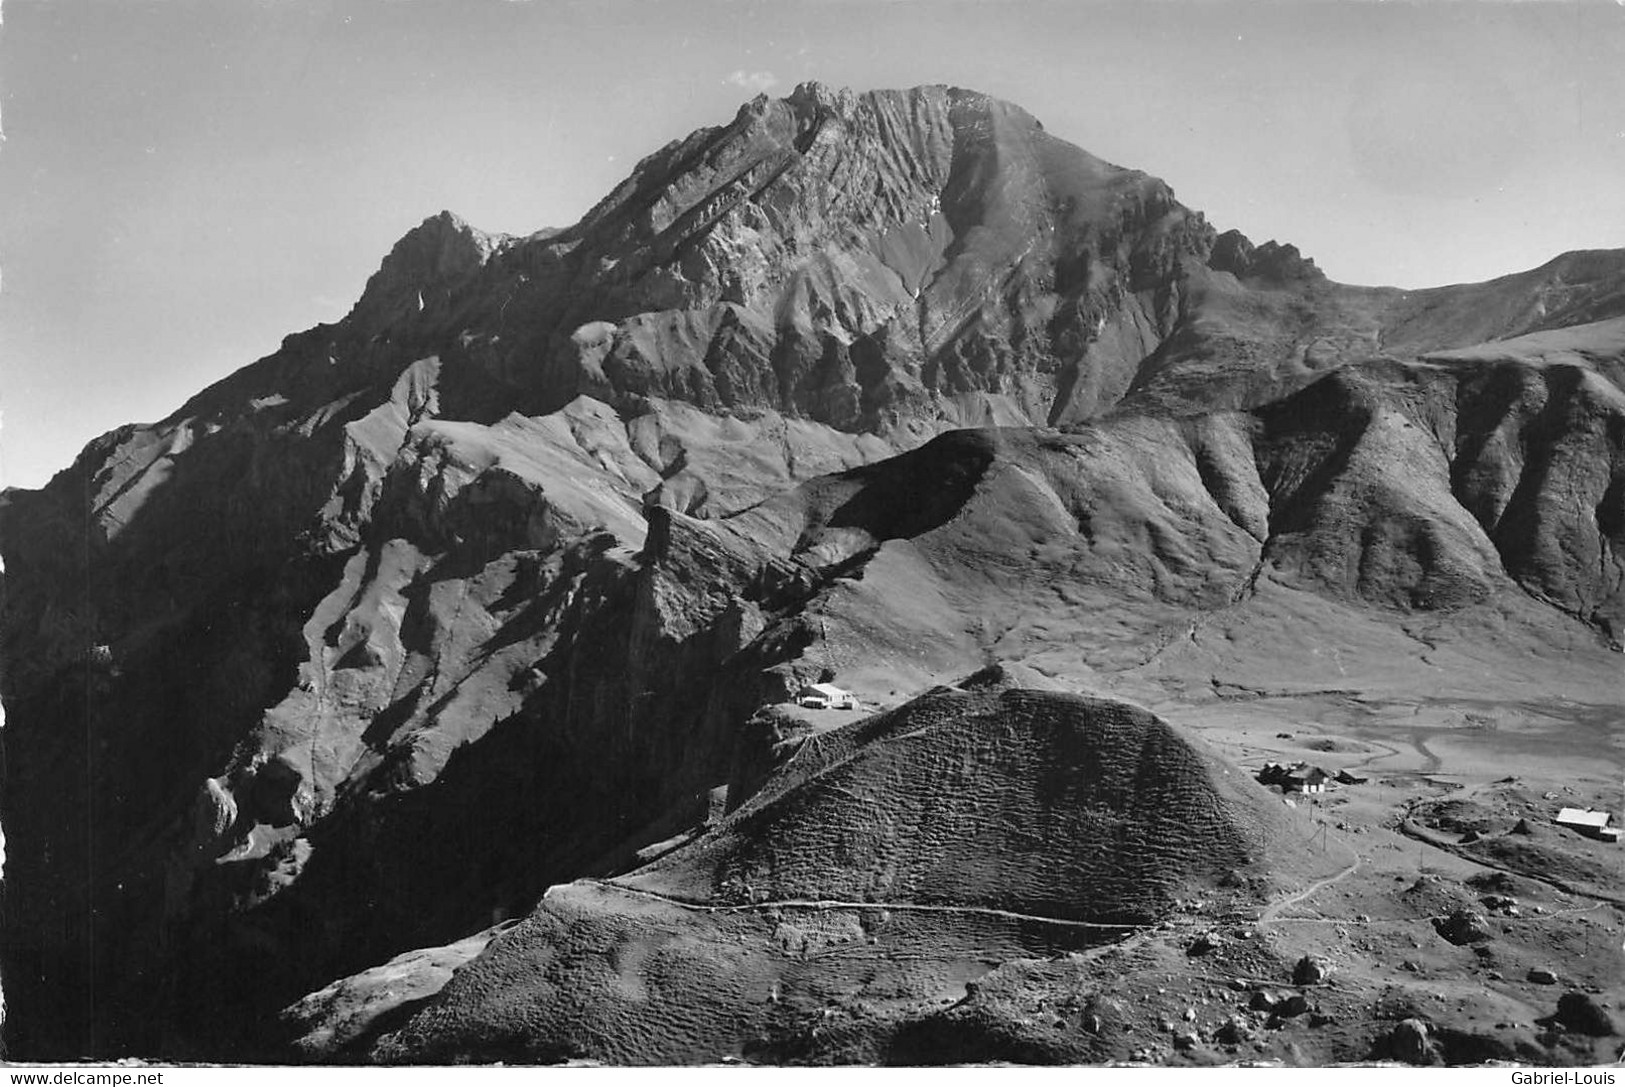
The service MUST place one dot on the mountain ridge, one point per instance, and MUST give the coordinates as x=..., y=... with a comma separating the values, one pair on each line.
x=393, y=294
x=890, y=385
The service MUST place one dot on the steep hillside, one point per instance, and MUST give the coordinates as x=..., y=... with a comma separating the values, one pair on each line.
x=493, y=584
x=886, y=860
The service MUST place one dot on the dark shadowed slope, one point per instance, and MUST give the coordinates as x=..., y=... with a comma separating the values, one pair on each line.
x=885, y=861
x=528, y=538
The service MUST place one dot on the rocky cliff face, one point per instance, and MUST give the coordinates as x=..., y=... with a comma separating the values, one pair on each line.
x=478, y=590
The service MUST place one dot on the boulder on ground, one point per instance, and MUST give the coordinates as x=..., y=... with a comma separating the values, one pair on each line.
x=1579, y=1012
x=1463, y=926
x=1291, y=1005
x=1409, y=1041
x=1202, y=944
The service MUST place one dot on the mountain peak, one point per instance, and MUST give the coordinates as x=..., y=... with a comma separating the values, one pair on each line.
x=511, y=577
x=1235, y=253
x=812, y=97
x=438, y=252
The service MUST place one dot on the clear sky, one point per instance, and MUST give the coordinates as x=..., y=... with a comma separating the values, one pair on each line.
x=185, y=181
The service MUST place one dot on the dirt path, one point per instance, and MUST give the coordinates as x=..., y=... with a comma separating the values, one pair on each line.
x=1272, y=912
x=1411, y=829
x=1430, y=761
x=832, y=904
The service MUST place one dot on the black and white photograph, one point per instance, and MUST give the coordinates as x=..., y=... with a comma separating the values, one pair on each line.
x=756, y=534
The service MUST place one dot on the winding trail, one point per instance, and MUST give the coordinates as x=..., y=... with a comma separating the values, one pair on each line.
x=834, y=904
x=1272, y=912
x=1431, y=762
x=1412, y=829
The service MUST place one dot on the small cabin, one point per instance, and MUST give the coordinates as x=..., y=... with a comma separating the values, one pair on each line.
x=825, y=696
x=1307, y=779
x=1301, y=778
x=1593, y=824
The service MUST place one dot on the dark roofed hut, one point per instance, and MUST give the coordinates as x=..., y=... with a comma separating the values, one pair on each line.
x=1301, y=778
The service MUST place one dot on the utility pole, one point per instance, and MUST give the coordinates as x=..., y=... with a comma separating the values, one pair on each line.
x=829, y=652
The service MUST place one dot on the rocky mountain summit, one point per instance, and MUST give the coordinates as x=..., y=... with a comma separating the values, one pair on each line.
x=506, y=581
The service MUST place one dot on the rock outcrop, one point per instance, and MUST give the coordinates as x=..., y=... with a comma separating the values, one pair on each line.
x=475, y=591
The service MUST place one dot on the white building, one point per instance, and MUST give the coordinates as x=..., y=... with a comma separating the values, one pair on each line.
x=825, y=696
x=1588, y=822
